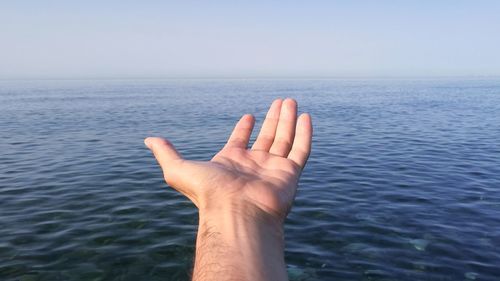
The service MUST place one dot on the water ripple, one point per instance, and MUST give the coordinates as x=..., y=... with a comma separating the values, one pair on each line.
x=402, y=183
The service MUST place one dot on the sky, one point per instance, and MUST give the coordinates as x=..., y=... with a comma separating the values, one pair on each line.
x=198, y=39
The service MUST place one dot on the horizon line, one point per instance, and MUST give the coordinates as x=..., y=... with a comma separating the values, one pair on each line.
x=268, y=77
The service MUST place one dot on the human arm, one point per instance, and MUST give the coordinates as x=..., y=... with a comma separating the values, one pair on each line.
x=243, y=195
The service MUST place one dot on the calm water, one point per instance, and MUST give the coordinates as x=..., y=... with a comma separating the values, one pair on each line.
x=403, y=182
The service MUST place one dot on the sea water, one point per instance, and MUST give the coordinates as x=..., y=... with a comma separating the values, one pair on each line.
x=403, y=182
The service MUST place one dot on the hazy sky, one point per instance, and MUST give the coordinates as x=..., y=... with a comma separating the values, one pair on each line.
x=113, y=39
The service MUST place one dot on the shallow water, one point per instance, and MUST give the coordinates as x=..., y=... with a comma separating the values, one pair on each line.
x=403, y=182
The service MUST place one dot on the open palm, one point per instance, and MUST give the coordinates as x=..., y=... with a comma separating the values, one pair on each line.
x=264, y=176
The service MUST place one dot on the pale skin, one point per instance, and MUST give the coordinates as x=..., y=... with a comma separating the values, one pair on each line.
x=243, y=194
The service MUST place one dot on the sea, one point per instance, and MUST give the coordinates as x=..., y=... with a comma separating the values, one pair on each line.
x=403, y=182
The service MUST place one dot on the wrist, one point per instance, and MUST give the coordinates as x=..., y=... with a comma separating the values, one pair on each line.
x=229, y=213
x=236, y=220
x=244, y=236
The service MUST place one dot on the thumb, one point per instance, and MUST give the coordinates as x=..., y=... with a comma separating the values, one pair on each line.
x=166, y=155
x=176, y=171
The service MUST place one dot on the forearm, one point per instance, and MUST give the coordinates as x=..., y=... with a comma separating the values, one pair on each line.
x=239, y=243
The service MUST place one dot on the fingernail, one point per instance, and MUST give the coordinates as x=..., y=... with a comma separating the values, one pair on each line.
x=146, y=142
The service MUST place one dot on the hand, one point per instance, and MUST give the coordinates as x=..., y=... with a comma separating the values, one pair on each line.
x=243, y=195
x=264, y=177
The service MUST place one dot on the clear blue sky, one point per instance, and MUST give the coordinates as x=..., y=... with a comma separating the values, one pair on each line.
x=113, y=39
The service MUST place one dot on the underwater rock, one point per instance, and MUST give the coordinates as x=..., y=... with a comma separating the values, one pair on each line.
x=419, y=244
x=361, y=249
x=471, y=275
x=298, y=274
x=294, y=273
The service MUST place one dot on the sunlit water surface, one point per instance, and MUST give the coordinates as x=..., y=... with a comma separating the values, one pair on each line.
x=403, y=182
